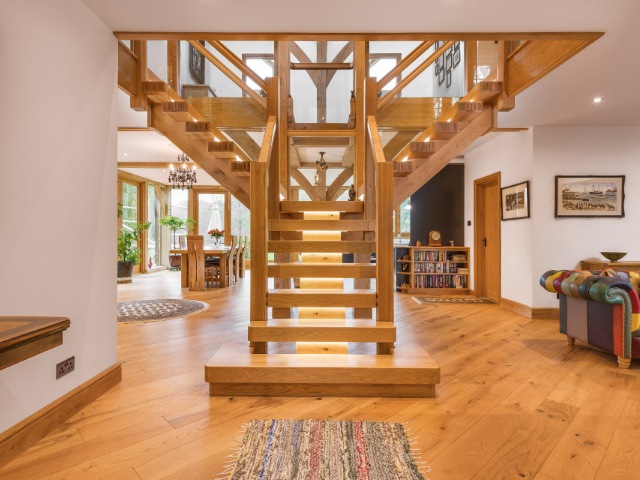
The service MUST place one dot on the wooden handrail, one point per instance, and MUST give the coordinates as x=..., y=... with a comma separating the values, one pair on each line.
x=412, y=76
x=376, y=141
x=404, y=63
x=238, y=63
x=267, y=141
x=384, y=231
x=232, y=76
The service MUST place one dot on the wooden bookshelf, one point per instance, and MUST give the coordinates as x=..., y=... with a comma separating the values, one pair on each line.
x=433, y=270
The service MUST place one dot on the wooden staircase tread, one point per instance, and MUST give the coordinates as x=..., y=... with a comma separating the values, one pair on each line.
x=234, y=363
x=321, y=270
x=290, y=206
x=320, y=291
x=310, y=225
x=323, y=323
x=321, y=246
x=322, y=330
x=322, y=298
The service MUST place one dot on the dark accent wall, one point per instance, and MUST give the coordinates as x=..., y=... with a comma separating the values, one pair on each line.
x=439, y=205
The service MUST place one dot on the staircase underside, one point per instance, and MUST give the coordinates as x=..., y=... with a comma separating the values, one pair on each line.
x=234, y=370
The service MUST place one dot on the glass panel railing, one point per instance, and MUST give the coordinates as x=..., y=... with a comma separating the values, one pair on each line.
x=157, y=58
x=487, y=61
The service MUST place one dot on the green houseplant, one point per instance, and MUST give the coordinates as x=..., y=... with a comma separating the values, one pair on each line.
x=174, y=224
x=128, y=249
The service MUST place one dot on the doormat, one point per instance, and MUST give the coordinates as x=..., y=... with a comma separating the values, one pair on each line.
x=156, y=310
x=454, y=300
x=324, y=449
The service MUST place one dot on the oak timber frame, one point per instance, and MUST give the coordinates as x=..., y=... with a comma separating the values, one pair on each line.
x=384, y=175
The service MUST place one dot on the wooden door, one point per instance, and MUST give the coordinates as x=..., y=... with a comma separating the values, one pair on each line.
x=487, y=236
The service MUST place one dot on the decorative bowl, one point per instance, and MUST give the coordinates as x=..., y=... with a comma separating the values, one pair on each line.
x=613, y=256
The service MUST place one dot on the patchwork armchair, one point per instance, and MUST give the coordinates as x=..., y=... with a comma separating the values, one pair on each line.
x=599, y=308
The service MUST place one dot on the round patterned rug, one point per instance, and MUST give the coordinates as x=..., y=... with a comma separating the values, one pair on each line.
x=156, y=310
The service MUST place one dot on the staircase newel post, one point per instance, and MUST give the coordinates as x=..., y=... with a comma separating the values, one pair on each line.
x=259, y=232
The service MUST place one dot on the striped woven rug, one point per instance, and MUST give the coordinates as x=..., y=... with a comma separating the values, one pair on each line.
x=319, y=449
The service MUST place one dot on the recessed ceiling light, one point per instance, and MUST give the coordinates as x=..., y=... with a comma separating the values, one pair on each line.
x=597, y=99
x=126, y=154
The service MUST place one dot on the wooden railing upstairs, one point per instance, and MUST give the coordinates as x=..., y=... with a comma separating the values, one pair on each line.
x=385, y=284
x=260, y=229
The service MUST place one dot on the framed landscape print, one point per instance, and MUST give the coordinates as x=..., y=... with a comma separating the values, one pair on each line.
x=514, y=200
x=590, y=196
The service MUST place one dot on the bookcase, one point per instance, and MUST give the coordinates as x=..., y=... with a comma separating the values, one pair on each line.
x=433, y=270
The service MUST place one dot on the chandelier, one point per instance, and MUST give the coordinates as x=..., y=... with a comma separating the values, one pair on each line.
x=183, y=176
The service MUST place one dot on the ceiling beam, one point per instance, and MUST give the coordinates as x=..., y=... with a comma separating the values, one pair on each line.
x=398, y=36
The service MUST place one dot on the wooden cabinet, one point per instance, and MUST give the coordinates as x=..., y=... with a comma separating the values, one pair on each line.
x=434, y=270
x=603, y=265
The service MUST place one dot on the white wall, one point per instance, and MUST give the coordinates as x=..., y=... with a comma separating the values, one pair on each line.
x=563, y=242
x=532, y=246
x=510, y=154
x=58, y=195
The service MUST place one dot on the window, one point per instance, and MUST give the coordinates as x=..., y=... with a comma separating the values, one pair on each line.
x=241, y=222
x=382, y=63
x=154, y=235
x=261, y=63
x=211, y=215
x=179, y=207
x=129, y=206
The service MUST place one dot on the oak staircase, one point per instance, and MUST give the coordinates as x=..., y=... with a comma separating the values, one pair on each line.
x=323, y=318
x=319, y=326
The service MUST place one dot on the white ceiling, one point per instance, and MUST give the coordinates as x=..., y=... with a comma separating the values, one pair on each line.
x=609, y=68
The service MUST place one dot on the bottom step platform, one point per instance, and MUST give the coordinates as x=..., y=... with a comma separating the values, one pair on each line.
x=409, y=372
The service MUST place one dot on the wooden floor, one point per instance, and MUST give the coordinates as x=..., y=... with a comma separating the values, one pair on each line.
x=514, y=402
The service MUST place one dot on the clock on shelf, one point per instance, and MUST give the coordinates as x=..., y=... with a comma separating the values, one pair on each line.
x=435, y=239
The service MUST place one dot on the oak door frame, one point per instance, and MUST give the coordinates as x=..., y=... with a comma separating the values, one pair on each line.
x=478, y=214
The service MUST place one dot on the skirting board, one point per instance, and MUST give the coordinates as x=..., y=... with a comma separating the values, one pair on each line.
x=529, y=312
x=23, y=435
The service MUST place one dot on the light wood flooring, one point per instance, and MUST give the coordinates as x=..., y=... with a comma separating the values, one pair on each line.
x=514, y=402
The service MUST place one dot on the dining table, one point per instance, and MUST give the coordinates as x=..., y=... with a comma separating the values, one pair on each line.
x=220, y=252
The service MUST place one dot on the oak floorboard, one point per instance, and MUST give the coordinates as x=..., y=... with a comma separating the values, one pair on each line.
x=513, y=395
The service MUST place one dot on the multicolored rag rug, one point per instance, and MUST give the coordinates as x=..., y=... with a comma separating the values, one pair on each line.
x=324, y=449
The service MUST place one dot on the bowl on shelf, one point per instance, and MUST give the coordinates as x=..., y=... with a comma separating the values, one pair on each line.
x=613, y=256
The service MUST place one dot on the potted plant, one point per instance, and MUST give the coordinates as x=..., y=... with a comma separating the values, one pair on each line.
x=128, y=250
x=175, y=224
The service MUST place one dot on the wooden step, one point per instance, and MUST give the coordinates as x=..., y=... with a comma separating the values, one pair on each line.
x=402, y=169
x=157, y=92
x=301, y=246
x=201, y=130
x=425, y=149
x=223, y=149
x=487, y=91
x=241, y=169
x=235, y=370
x=325, y=330
x=465, y=111
x=364, y=298
x=447, y=130
x=178, y=111
x=335, y=225
x=290, y=206
x=321, y=270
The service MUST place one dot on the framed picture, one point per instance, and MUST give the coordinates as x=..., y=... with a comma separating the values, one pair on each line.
x=441, y=75
x=449, y=78
x=590, y=196
x=456, y=54
x=514, y=201
x=196, y=65
x=448, y=60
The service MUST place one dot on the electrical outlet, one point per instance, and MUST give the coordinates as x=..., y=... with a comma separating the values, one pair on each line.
x=65, y=367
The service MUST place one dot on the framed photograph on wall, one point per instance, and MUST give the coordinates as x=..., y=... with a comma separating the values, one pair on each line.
x=590, y=196
x=514, y=201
